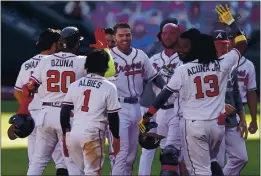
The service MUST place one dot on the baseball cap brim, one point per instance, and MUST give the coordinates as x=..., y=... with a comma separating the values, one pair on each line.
x=10, y=132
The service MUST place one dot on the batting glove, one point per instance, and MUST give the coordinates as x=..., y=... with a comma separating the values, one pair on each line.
x=225, y=14
x=100, y=38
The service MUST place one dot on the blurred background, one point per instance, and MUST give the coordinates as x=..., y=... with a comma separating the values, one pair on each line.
x=23, y=21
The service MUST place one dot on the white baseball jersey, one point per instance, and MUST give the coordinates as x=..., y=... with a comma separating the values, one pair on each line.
x=27, y=69
x=204, y=86
x=246, y=77
x=92, y=96
x=56, y=72
x=165, y=67
x=179, y=101
x=131, y=70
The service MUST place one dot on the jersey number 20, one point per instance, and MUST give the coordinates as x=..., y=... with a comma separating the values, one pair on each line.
x=54, y=78
x=212, y=80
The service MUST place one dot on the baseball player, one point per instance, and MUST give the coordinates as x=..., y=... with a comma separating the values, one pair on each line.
x=233, y=144
x=90, y=97
x=247, y=87
x=110, y=37
x=55, y=73
x=132, y=67
x=165, y=63
x=47, y=44
x=203, y=77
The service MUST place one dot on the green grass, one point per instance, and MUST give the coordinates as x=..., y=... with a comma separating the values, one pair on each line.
x=14, y=153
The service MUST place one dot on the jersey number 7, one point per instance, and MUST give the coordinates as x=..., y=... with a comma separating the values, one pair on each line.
x=212, y=80
x=54, y=78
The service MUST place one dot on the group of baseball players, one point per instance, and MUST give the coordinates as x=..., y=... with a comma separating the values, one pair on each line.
x=69, y=104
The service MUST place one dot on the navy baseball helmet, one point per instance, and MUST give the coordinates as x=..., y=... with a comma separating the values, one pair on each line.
x=150, y=141
x=69, y=37
x=21, y=126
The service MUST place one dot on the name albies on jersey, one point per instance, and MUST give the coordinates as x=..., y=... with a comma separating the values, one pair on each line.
x=27, y=69
x=92, y=96
x=165, y=67
x=131, y=70
x=246, y=77
x=204, y=86
x=56, y=72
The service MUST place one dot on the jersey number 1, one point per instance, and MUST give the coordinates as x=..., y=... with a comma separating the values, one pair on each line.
x=85, y=106
x=212, y=80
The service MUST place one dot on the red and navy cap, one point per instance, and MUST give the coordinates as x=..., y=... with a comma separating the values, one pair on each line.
x=220, y=35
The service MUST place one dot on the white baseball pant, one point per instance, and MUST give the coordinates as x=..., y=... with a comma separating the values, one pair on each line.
x=48, y=134
x=85, y=145
x=233, y=146
x=130, y=116
x=202, y=142
x=147, y=156
x=57, y=153
x=168, y=125
x=109, y=137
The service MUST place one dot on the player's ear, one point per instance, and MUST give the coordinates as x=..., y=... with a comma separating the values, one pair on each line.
x=54, y=48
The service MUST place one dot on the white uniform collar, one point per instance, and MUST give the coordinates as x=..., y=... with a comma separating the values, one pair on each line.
x=167, y=58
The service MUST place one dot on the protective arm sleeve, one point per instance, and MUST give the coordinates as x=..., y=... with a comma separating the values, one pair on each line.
x=237, y=97
x=159, y=101
x=159, y=82
x=114, y=124
x=111, y=70
x=65, y=118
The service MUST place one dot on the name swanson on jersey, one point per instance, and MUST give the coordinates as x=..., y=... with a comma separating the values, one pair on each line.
x=202, y=68
x=32, y=64
x=62, y=63
x=90, y=83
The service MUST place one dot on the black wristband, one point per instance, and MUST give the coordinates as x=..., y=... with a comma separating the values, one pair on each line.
x=235, y=29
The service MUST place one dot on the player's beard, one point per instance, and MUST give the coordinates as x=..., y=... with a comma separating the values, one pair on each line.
x=172, y=46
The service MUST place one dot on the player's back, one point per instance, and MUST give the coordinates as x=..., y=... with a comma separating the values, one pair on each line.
x=27, y=69
x=56, y=72
x=205, y=88
x=90, y=96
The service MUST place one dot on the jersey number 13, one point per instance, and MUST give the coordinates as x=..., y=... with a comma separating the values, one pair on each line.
x=212, y=80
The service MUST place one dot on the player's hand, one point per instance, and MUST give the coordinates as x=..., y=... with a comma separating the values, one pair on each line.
x=225, y=14
x=100, y=38
x=253, y=127
x=116, y=145
x=242, y=127
x=65, y=150
x=229, y=109
x=143, y=123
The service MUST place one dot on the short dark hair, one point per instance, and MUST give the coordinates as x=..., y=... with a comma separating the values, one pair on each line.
x=120, y=26
x=47, y=38
x=97, y=61
x=109, y=31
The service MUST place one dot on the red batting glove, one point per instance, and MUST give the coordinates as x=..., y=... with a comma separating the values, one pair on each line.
x=65, y=150
x=100, y=38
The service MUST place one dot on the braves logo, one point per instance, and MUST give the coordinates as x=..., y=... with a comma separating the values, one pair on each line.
x=134, y=68
x=243, y=76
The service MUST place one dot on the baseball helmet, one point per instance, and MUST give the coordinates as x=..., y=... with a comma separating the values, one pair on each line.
x=21, y=126
x=69, y=37
x=150, y=141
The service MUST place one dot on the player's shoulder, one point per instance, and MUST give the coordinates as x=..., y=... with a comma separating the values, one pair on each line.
x=155, y=57
x=140, y=52
x=108, y=83
x=33, y=60
x=249, y=62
